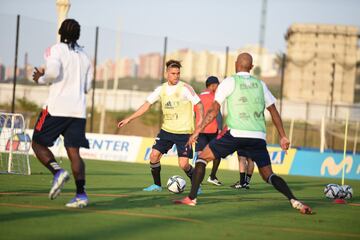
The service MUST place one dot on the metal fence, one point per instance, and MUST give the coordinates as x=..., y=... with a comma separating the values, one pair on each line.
x=128, y=66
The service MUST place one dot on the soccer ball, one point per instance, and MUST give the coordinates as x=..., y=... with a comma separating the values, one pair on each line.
x=333, y=191
x=347, y=191
x=176, y=184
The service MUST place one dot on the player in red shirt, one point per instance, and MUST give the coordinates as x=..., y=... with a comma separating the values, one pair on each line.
x=210, y=131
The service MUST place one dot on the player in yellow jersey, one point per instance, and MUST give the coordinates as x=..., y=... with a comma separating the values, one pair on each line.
x=177, y=101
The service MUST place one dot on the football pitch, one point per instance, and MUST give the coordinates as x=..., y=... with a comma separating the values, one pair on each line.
x=119, y=209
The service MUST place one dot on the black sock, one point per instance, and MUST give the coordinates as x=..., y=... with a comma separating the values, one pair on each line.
x=280, y=185
x=242, y=178
x=53, y=166
x=248, y=178
x=198, y=177
x=80, y=186
x=214, y=169
x=189, y=172
x=155, y=171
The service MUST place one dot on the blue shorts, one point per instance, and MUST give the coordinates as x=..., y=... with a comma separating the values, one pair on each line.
x=254, y=147
x=203, y=140
x=48, y=128
x=165, y=140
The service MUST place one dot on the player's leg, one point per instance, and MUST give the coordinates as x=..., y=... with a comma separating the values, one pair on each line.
x=261, y=156
x=74, y=138
x=155, y=168
x=216, y=162
x=46, y=131
x=199, y=171
x=78, y=170
x=242, y=159
x=242, y=169
x=217, y=148
x=250, y=170
x=162, y=145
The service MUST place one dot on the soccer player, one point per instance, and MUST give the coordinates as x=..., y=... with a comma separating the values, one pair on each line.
x=177, y=101
x=247, y=98
x=69, y=71
x=210, y=131
x=246, y=169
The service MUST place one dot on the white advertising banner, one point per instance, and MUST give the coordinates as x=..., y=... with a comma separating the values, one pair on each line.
x=103, y=147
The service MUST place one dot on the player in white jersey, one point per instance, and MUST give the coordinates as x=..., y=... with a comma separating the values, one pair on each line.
x=246, y=98
x=69, y=73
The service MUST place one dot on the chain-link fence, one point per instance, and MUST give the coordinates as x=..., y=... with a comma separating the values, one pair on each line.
x=128, y=67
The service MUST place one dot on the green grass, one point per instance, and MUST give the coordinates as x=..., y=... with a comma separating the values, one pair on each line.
x=120, y=210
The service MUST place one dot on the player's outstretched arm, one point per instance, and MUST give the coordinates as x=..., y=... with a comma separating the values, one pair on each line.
x=143, y=109
x=276, y=119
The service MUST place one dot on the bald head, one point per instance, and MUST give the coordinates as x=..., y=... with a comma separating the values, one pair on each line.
x=244, y=62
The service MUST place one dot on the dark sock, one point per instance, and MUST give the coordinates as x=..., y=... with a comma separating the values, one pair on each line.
x=214, y=169
x=80, y=186
x=242, y=178
x=198, y=177
x=280, y=185
x=53, y=166
x=189, y=172
x=155, y=171
x=248, y=178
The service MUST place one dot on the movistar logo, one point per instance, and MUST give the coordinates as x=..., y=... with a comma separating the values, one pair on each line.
x=258, y=115
x=332, y=168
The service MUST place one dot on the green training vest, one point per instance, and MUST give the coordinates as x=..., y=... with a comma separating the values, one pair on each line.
x=246, y=105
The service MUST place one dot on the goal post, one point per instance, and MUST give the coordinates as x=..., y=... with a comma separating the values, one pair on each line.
x=15, y=144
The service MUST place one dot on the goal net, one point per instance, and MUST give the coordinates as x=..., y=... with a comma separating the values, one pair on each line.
x=14, y=144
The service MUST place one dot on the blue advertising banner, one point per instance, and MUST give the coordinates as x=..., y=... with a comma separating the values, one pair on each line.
x=313, y=163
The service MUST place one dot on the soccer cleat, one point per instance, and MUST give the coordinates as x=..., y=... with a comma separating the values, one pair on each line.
x=79, y=201
x=214, y=181
x=186, y=201
x=60, y=178
x=237, y=185
x=304, y=209
x=153, y=188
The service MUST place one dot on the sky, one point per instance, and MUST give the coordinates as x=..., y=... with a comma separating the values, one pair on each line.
x=198, y=24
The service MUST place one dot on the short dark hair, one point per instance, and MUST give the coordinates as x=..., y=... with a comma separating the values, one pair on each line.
x=173, y=63
x=69, y=32
x=211, y=80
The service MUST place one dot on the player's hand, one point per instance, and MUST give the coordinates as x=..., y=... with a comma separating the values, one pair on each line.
x=222, y=133
x=123, y=123
x=38, y=73
x=284, y=143
x=192, y=139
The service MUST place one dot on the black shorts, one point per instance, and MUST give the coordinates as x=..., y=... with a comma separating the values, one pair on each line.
x=48, y=128
x=203, y=140
x=242, y=153
x=165, y=140
x=254, y=147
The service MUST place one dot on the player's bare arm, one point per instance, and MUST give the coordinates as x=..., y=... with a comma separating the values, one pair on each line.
x=38, y=73
x=276, y=119
x=200, y=108
x=209, y=117
x=142, y=109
